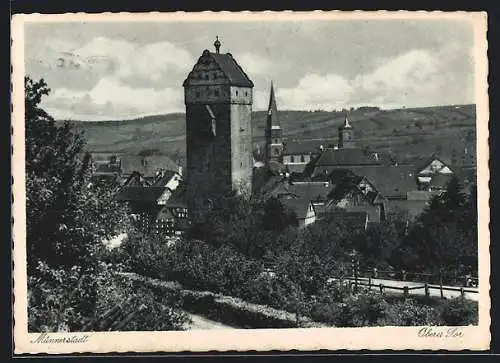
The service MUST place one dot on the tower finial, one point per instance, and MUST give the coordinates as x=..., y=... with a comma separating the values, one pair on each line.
x=217, y=44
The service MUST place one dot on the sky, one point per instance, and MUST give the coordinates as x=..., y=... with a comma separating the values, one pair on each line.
x=118, y=70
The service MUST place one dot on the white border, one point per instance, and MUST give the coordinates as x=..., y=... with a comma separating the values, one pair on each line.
x=373, y=338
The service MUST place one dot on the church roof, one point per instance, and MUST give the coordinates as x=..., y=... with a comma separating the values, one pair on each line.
x=294, y=147
x=344, y=157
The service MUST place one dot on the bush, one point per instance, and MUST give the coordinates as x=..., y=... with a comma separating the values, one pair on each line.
x=410, y=313
x=458, y=312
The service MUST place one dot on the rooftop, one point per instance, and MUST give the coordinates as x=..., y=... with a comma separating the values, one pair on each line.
x=346, y=157
x=147, y=166
x=231, y=69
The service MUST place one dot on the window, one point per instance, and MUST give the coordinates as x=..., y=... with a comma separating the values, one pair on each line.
x=198, y=94
x=216, y=92
x=236, y=93
x=302, y=158
x=246, y=93
x=293, y=158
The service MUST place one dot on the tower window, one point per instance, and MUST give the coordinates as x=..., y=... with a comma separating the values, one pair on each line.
x=246, y=93
x=236, y=93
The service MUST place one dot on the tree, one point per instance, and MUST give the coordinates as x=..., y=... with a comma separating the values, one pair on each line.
x=67, y=219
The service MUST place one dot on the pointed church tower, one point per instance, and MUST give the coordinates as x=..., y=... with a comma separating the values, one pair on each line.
x=346, y=135
x=274, y=137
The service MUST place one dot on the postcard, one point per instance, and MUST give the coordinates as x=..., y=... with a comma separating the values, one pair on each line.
x=221, y=181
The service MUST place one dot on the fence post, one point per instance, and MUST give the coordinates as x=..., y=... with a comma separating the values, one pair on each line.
x=369, y=283
x=462, y=292
x=426, y=288
x=403, y=273
x=375, y=273
x=441, y=283
x=405, y=291
x=381, y=286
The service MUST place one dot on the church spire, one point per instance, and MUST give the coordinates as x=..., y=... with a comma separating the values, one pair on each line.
x=274, y=141
x=272, y=110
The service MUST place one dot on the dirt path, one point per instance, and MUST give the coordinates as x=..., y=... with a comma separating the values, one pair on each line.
x=199, y=322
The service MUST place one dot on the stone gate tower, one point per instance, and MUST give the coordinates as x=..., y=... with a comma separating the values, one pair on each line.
x=218, y=98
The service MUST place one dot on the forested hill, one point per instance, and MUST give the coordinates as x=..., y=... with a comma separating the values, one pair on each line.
x=405, y=132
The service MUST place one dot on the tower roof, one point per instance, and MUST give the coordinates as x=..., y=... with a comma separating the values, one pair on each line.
x=272, y=110
x=228, y=65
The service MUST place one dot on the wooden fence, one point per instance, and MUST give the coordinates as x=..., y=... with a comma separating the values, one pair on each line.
x=406, y=289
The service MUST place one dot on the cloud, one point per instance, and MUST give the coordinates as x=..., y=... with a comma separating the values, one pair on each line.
x=315, y=91
x=254, y=63
x=416, y=78
x=110, y=99
x=109, y=78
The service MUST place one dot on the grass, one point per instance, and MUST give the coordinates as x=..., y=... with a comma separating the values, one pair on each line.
x=407, y=133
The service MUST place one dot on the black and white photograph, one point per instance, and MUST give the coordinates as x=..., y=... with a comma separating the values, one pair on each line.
x=211, y=174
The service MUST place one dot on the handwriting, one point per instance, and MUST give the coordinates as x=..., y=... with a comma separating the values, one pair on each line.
x=45, y=338
x=436, y=332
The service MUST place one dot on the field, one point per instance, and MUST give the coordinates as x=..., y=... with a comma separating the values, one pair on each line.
x=406, y=133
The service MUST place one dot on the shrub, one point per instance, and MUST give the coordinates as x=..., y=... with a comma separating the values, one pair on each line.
x=458, y=311
x=410, y=313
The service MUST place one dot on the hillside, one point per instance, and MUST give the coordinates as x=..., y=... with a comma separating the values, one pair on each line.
x=406, y=133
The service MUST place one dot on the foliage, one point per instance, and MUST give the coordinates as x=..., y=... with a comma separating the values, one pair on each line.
x=409, y=312
x=68, y=218
x=446, y=231
x=458, y=311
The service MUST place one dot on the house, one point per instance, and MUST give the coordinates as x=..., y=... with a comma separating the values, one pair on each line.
x=303, y=210
x=430, y=167
x=157, y=207
x=356, y=194
x=105, y=169
x=298, y=154
x=147, y=166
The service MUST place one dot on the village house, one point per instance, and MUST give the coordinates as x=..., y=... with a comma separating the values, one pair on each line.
x=303, y=210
